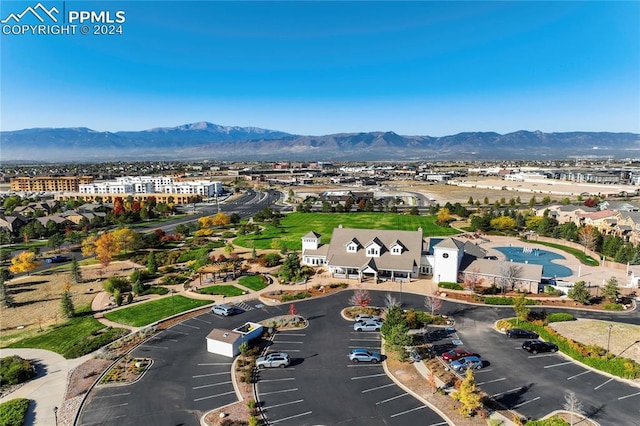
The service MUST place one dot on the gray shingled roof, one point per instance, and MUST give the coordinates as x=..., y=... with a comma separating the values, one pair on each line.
x=411, y=240
x=529, y=271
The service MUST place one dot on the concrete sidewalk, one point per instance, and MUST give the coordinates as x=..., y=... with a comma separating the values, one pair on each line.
x=48, y=388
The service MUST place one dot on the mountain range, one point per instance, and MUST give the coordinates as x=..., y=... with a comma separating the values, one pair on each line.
x=208, y=141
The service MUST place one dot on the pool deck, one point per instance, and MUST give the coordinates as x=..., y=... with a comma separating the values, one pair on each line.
x=595, y=275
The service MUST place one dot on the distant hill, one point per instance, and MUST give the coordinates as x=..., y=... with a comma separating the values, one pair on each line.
x=211, y=141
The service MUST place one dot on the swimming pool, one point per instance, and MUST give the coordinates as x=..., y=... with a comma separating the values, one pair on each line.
x=537, y=257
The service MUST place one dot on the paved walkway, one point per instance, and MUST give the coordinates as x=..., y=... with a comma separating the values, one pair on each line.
x=48, y=388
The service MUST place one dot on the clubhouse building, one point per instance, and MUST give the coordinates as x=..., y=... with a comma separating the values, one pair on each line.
x=402, y=256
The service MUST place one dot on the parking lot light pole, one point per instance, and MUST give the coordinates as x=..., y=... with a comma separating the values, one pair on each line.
x=610, y=326
x=55, y=415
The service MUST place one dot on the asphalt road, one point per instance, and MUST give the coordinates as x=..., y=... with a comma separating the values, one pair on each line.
x=322, y=387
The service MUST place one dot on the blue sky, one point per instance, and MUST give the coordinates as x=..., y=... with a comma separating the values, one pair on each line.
x=427, y=68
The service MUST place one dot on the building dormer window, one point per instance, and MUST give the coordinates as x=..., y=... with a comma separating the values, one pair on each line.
x=352, y=248
x=373, y=251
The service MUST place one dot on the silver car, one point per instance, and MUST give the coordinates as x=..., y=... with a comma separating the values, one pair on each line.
x=364, y=355
x=367, y=325
x=276, y=359
x=367, y=317
x=224, y=310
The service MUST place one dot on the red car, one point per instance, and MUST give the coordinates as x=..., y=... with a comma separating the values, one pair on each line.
x=454, y=354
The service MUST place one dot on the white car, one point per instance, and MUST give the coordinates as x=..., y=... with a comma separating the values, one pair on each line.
x=224, y=310
x=276, y=359
x=367, y=326
x=367, y=317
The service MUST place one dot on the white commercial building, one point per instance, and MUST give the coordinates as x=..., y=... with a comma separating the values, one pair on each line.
x=153, y=185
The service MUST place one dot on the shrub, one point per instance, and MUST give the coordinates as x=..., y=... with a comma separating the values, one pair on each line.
x=450, y=285
x=612, y=307
x=92, y=343
x=116, y=283
x=559, y=317
x=498, y=300
x=490, y=290
x=14, y=370
x=551, y=421
x=14, y=412
x=295, y=296
x=139, y=275
x=551, y=291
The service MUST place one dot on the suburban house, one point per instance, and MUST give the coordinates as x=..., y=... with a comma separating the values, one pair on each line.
x=401, y=256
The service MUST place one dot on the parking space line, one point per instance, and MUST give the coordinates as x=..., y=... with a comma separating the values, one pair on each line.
x=483, y=370
x=210, y=374
x=114, y=406
x=579, y=374
x=214, y=363
x=289, y=350
x=526, y=402
x=211, y=385
x=491, y=381
x=391, y=399
x=277, y=380
x=171, y=330
x=541, y=356
x=102, y=422
x=291, y=334
x=377, y=388
x=201, y=320
x=369, y=376
x=366, y=340
x=280, y=391
x=438, y=424
x=214, y=396
x=364, y=365
x=558, y=365
x=187, y=325
x=155, y=347
x=291, y=417
x=364, y=347
x=628, y=396
x=161, y=339
x=287, y=341
x=283, y=404
x=599, y=386
x=502, y=393
x=408, y=411
x=112, y=396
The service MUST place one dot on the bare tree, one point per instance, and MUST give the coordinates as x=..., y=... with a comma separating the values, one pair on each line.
x=361, y=297
x=572, y=405
x=510, y=273
x=390, y=301
x=587, y=237
x=432, y=303
x=473, y=280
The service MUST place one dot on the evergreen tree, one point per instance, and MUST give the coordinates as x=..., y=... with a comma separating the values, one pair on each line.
x=290, y=268
x=610, y=290
x=66, y=305
x=580, y=293
x=6, y=299
x=138, y=288
x=152, y=265
x=76, y=275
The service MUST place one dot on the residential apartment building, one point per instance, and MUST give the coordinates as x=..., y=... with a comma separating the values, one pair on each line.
x=134, y=185
x=49, y=183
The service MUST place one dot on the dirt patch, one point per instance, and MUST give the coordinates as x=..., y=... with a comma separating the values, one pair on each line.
x=84, y=376
x=306, y=293
x=37, y=297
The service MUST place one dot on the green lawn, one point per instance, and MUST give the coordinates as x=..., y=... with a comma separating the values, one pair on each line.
x=579, y=254
x=226, y=290
x=76, y=337
x=254, y=282
x=149, y=312
x=294, y=225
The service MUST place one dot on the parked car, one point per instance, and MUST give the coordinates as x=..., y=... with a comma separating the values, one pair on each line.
x=364, y=355
x=454, y=354
x=535, y=346
x=57, y=259
x=224, y=310
x=367, y=326
x=276, y=359
x=367, y=317
x=521, y=333
x=466, y=362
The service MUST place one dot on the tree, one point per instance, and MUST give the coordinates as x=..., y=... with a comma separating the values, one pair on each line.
x=432, y=303
x=580, y=293
x=510, y=273
x=76, y=275
x=413, y=211
x=24, y=261
x=572, y=405
x=292, y=310
x=125, y=239
x=138, y=288
x=443, y=217
x=66, y=304
x=55, y=241
x=587, y=237
x=532, y=201
x=290, y=270
x=229, y=248
x=6, y=298
x=468, y=395
x=88, y=246
x=361, y=297
x=152, y=265
x=106, y=247
x=520, y=307
x=205, y=222
x=390, y=301
x=610, y=290
x=221, y=219
x=117, y=297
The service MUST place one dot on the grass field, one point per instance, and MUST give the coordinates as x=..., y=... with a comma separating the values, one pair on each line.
x=149, y=312
x=254, y=282
x=294, y=225
x=579, y=254
x=226, y=290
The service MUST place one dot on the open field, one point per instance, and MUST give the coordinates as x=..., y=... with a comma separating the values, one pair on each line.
x=294, y=225
x=149, y=312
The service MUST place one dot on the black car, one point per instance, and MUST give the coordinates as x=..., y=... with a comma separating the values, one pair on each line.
x=535, y=346
x=521, y=333
x=57, y=259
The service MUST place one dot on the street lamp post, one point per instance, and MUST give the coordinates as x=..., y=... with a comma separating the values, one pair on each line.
x=55, y=415
x=610, y=326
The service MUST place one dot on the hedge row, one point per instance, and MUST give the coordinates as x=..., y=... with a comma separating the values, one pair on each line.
x=14, y=412
x=93, y=343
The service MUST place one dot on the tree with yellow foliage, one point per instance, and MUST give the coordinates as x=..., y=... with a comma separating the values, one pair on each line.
x=221, y=219
x=444, y=216
x=107, y=246
x=24, y=261
x=205, y=222
x=125, y=238
x=469, y=395
x=88, y=246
